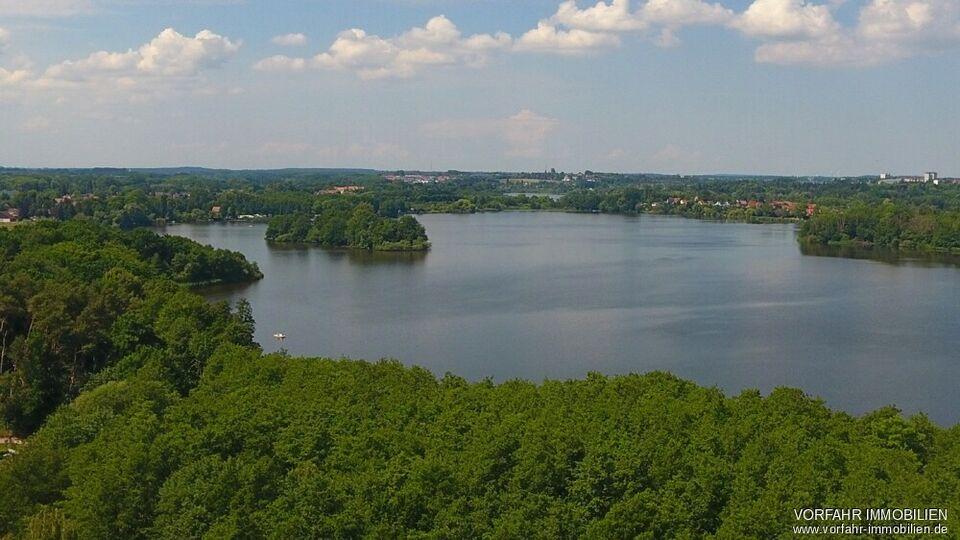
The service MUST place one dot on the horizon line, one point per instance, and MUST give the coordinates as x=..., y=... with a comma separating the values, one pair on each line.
x=439, y=171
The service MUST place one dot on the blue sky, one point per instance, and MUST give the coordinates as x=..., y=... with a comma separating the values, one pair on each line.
x=688, y=86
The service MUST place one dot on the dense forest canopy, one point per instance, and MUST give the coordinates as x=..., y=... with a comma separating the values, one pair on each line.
x=78, y=299
x=277, y=447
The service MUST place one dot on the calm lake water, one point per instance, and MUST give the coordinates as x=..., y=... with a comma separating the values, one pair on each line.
x=553, y=295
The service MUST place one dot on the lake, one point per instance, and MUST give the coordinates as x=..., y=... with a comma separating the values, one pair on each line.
x=555, y=295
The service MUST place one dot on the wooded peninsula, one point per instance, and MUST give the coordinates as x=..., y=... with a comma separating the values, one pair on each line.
x=343, y=223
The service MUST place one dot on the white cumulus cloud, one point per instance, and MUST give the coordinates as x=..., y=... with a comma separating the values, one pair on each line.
x=618, y=15
x=550, y=39
x=602, y=17
x=170, y=54
x=886, y=31
x=790, y=32
x=438, y=43
x=786, y=19
x=662, y=17
x=924, y=21
x=677, y=13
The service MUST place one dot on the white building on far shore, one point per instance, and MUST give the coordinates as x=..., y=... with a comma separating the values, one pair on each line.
x=932, y=177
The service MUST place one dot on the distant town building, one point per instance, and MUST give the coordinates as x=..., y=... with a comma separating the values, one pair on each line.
x=926, y=178
x=785, y=206
x=417, y=178
x=530, y=181
x=10, y=215
x=73, y=199
x=340, y=190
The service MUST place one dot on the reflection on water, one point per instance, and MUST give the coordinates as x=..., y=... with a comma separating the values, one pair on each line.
x=353, y=256
x=886, y=255
x=537, y=295
x=365, y=258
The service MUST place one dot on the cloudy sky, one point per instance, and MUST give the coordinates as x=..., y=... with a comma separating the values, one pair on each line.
x=694, y=86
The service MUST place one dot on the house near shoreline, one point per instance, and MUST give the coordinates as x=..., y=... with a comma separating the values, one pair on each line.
x=752, y=204
x=74, y=199
x=10, y=215
x=417, y=178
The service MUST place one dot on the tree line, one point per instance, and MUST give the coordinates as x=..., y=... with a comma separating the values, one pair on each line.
x=851, y=210
x=887, y=224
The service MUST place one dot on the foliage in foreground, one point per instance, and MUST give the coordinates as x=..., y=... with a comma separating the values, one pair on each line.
x=274, y=447
x=78, y=298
